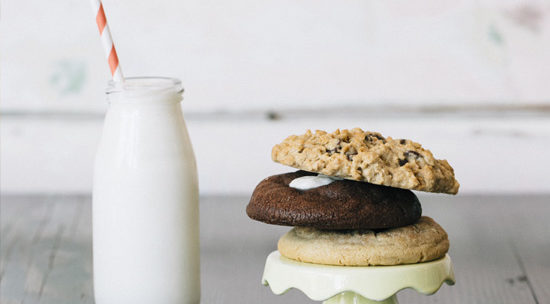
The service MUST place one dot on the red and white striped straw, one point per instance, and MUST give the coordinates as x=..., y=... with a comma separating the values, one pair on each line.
x=107, y=40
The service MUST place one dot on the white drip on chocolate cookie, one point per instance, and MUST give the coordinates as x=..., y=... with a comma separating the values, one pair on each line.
x=311, y=182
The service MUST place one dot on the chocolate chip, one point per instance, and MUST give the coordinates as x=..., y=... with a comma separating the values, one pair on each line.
x=351, y=152
x=402, y=162
x=414, y=154
x=337, y=149
x=334, y=147
x=402, y=141
x=371, y=136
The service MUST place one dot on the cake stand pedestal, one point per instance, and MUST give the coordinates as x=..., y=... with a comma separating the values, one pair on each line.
x=355, y=284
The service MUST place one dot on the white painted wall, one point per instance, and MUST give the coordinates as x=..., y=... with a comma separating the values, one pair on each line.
x=245, y=54
x=247, y=57
x=489, y=154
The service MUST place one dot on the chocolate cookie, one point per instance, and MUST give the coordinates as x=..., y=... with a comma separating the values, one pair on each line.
x=343, y=204
x=367, y=156
x=422, y=241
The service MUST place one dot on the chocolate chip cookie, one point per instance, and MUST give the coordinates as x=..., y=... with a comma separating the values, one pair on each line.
x=369, y=157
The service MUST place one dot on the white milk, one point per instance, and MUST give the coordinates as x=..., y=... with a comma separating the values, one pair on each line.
x=145, y=199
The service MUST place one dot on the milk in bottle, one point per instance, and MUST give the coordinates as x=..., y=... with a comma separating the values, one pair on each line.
x=145, y=198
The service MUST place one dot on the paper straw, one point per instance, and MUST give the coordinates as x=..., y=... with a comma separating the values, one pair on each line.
x=107, y=40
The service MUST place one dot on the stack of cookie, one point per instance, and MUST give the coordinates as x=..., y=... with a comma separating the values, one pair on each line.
x=351, y=202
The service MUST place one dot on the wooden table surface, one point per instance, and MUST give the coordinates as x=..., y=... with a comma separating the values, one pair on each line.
x=500, y=246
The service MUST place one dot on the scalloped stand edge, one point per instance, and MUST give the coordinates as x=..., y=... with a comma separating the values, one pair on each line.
x=355, y=285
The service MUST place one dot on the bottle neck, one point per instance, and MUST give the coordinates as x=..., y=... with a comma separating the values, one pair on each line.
x=145, y=91
x=150, y=100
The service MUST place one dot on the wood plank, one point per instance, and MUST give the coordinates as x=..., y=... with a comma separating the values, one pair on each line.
x=486, y=267
x=29, y=220
x=484, y=261
x=47, y=253
x=494, y=261
x=531, y=242
x=69, y=261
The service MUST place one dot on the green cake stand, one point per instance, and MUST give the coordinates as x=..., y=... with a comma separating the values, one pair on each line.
x=355, y=284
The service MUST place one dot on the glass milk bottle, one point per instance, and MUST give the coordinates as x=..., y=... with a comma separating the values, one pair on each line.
x=145, y=198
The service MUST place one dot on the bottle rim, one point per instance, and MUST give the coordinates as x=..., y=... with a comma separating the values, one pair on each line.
x=145, y=84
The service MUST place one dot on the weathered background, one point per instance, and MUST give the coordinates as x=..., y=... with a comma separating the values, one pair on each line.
x=468, y=79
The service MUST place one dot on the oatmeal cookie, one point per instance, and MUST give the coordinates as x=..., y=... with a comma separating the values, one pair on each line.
x=367, y=156
x=420, y=242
